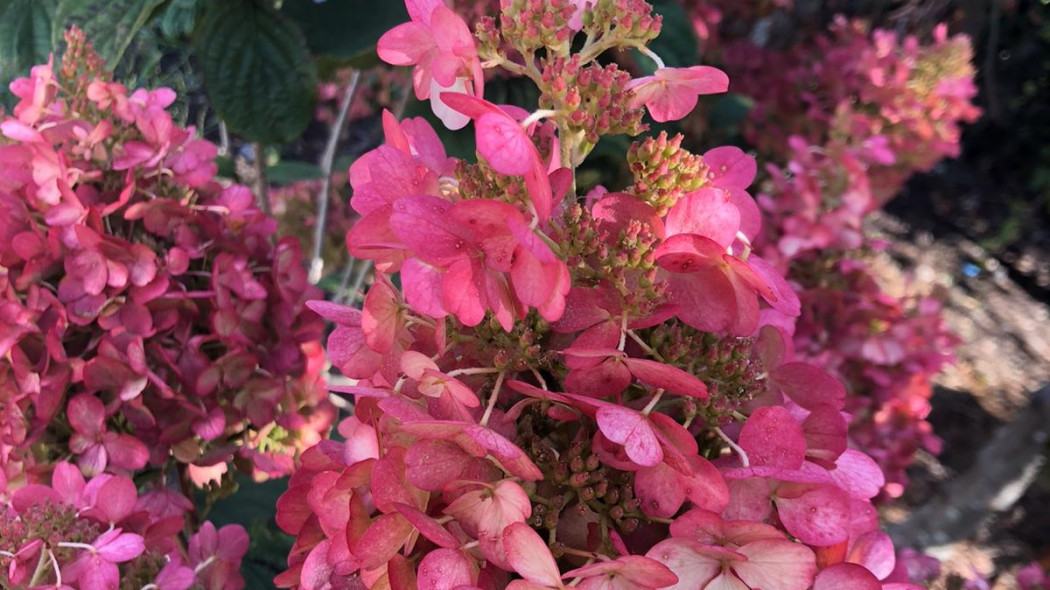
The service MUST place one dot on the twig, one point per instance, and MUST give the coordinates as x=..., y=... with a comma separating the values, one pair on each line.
x=327, y=161
x=359, y=280
x=262, y=196
x=224, y=139
x=344, y=280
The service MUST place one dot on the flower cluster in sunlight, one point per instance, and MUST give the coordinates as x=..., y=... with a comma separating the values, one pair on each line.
x=558, y=391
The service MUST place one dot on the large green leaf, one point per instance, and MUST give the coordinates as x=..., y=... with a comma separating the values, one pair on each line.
x=345, y=30
x=110, y=25
x=257, y=70
x=25, y=35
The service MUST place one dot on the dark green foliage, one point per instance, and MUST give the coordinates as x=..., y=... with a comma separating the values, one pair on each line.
x=257, y=70
x=345, y=31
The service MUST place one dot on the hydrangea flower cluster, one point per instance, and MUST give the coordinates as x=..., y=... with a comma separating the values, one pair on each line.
x=887, y=350
x=555, y=391
x=854, y=90
x=149, y=317
x=99, y=533
x=874, y=111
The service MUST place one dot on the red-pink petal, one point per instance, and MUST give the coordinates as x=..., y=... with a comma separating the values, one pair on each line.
x=772, y=437
x=817, y=515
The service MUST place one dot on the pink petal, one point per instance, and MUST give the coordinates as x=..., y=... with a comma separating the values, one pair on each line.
x=127, y=452
x=116, y=499
x=730, y=167
x=694, y=564
x=615, y=211
x=380, y=316
x=706, y=212
x=665, y=376
x=405, y=44
x=817, y=515
x=335, y=313
x=529, y=556
x=504, y=144
x=119, y=547
x=86, y=414
x=846, y=575
x=632, y=430
x=509, y=454
x=430, y=464
x=809, y=386
x=825, y=429
x=422, y=286
x=777, y=565
x=858, y=474
x=874, y=550
x=428, y=527
x=382, y=540
x=445, y=569
x=659, y=491
x=772, y=437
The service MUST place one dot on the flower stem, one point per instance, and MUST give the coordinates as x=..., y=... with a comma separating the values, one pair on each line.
x=492, y=398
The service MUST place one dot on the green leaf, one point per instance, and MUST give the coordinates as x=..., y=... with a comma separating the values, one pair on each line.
x=677, y=44
x=178, y=17
x=254, y=506
x=257, y=70
x=110, y=25
x=287, y=172
x=25, y=35
x=345, y=30
x=729, y=111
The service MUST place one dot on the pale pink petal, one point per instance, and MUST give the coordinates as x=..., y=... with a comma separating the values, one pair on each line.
x=694, y=564
x=529, y=555
x=874, y=550
x=405, y=44
x=632, y=430
x=777, y=565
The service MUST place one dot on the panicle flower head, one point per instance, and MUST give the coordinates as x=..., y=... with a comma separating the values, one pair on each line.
x=558, y=391
x=150, y=315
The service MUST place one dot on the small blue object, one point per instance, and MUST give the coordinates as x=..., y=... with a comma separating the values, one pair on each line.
x=971, y=270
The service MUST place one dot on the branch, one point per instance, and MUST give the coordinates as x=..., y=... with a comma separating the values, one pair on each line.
x=1004, y=470
x=327, y=161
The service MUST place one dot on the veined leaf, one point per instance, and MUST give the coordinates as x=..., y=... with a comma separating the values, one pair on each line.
x=25, y=35
x=257, y=70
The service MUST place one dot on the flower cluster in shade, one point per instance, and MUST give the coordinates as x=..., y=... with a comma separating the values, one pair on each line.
x=148, y=317
x=558, y=391
x=101, y=533
x=841, y=134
